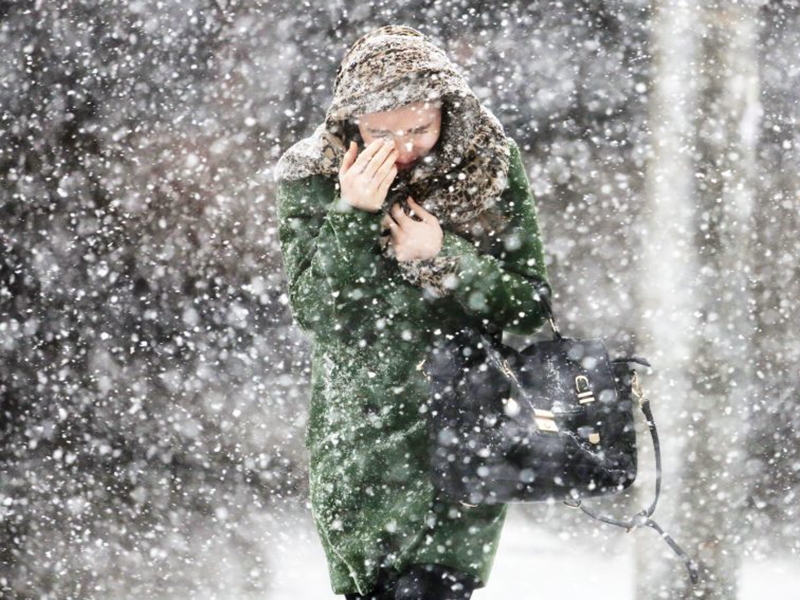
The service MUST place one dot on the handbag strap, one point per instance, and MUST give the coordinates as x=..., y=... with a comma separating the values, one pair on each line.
x=542, y=294
x=644, y=518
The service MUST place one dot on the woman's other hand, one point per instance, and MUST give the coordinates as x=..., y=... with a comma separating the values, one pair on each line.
x=414, y=238
x=365, y=178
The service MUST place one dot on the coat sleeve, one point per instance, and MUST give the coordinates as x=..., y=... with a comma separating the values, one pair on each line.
x=335, y=271
x=331, y=257
x=501, y=287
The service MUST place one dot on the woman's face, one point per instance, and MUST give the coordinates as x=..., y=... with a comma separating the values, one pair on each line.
x=414, y=129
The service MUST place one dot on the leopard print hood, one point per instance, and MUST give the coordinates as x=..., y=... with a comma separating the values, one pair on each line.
x=463, y=175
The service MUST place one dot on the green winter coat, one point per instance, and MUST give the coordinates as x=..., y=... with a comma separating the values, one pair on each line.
x=372, y=500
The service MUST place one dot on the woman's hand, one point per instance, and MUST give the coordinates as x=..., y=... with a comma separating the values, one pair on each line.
x=365, y=178
x=413, y=238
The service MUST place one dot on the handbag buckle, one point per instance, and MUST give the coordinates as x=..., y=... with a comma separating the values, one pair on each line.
x=636, y=388
x=545, y=420
x=585, y=395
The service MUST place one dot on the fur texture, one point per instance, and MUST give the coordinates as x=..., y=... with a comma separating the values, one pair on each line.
x=458, y=182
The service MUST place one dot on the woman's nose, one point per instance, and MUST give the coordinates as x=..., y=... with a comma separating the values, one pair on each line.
x=404, y=148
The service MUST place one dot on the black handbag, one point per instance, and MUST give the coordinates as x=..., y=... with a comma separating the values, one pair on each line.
x=553, y=421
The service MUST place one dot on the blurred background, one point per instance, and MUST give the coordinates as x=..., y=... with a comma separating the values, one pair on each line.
x=153, y=390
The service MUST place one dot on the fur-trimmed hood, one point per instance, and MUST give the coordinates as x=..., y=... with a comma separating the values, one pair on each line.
x=391, y=67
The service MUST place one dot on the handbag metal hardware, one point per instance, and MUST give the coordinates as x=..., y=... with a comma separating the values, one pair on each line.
x=554, y=327
x=585, y=395
x=636, y=388
x=507, y=370
x=545, y=420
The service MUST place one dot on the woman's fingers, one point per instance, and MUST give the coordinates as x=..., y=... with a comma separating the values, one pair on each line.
x=384, y=169
x=399, y=215
x=411, y=238
x=365, y=178
x=381, y=157
x=367, y=154
x=349, y=158
x=386, y=222
x=387, y=179
x=383, y=186
x=418, y=209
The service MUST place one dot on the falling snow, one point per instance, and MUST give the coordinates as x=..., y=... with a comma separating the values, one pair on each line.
x=154, y=388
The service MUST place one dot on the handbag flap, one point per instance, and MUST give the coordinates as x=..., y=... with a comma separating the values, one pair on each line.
x=563, y=375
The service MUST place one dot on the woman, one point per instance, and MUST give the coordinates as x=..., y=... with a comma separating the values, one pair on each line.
x=404, y=216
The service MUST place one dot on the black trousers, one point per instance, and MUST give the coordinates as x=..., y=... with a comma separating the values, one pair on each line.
x=421, y=582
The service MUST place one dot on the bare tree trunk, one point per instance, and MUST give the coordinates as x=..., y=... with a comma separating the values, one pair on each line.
x=669, y=263
x=727, y=135
x=697, y=286
x=774, y=440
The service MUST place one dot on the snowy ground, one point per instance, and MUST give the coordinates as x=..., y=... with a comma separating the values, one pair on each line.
x=531, y=563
